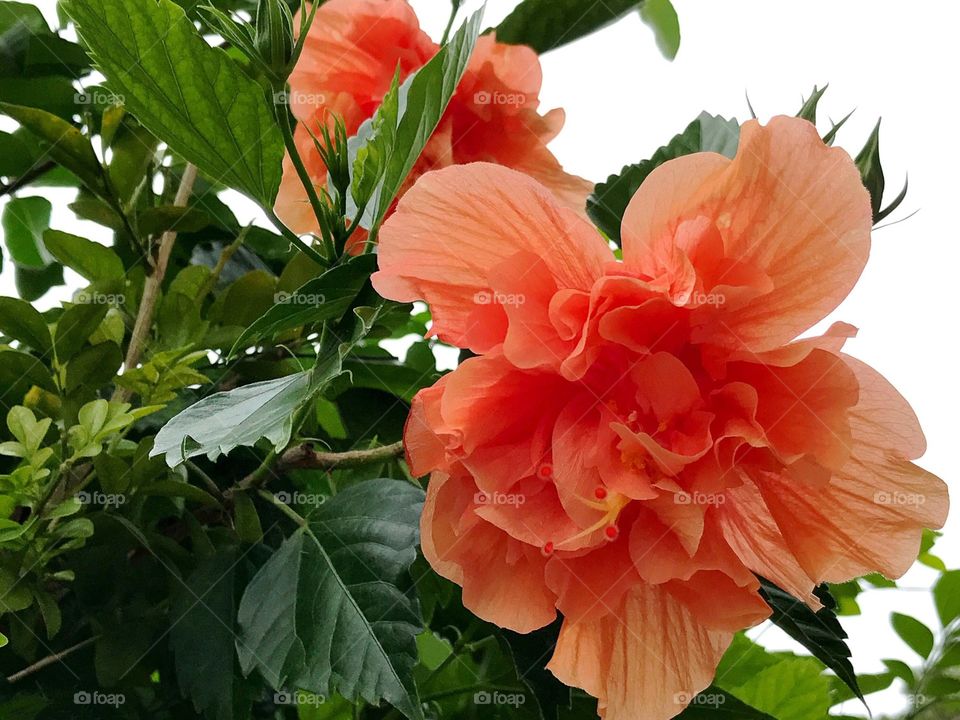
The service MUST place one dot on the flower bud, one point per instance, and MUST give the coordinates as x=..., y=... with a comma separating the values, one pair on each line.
x=274, y=34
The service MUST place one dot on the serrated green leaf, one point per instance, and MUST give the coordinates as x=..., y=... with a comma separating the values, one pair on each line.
x=220, y=422
x=331, y=610
x=324, y=298
x=819, y=632
x=548, y=24
x=192, y=95
x=423, y=98
x=609, y=200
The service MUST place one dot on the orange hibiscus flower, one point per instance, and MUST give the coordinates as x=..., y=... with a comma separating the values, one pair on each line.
x=638, y=440
x=348, y=62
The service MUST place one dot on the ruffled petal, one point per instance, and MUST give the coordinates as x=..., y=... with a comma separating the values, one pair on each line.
x=779, y=235
x=502, y=578
x=499, y=214
x=648, y=660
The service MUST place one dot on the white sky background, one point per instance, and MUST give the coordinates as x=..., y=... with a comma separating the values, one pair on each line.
x=891, y=59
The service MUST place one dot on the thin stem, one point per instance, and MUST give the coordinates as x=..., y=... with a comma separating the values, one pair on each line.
x=151, y=287
x=295, y=239
x=28, y=177
x=207, y=480
x=284, y=508
x=50, y=660
x=304, y=456
x=287, y=131
x=453, y=16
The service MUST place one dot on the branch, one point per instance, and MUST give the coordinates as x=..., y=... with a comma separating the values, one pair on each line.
x=305, y=457
x=151, y=288
x=50, y=660
x=37, y=171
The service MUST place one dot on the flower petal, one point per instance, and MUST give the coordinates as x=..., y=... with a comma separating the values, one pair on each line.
x=794, y=220
x=498, y=213
x=647, y=661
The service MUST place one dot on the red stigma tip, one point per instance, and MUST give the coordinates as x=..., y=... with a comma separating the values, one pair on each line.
x=546, y=471
x=600, y=493
x=611, y=532
x=548, y=549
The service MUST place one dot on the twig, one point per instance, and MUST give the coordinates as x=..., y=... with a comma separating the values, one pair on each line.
x=305, y=457
x=28, y=177
x=151, y=287
x=50, y=660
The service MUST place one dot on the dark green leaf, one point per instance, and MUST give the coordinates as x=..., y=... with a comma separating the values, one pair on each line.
x=154, y=221
x=178, y=489
x=220, y=422
x=193, y=96
x=24, y=220
x=548, y=24
x=808, y=110
x=203, y=639
x=32, y=284
x=332, y=609
x=914, y=633
x=75, y=326
x=92, y=260
x=708, y=133
x=324, y=298
x=20, y=321
x=819, y=632
x=716, y=704
x=94, y=366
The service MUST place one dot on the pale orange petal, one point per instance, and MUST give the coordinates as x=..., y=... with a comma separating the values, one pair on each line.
x=497, y=213
x=870, y=516
x=792, y=214
x=647, y=661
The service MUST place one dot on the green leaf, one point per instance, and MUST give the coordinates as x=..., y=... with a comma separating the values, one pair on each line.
x=332, y=609
x=75, y=326
x=792, y=688
x=220, y=422
x=324, y=298
x=661, y=17
x=24, y=220
x=94, y=366
x=63, y=143
x=92, y=260
x=21, y=321
x=154, y=221
x=203, y=638
x=246, y=520
x=548, y=24
x=32, y=283
x=193, y=96
x=914, y=633
x=609, y=200
x=406, y=120
x=819, y=632
x=717, y=704
x=946, y=596
x=176, y=488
